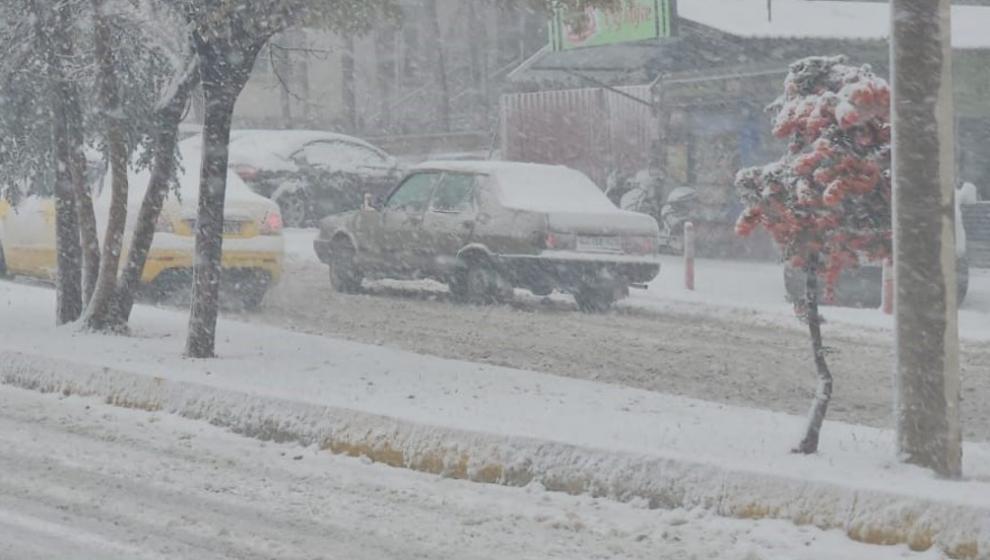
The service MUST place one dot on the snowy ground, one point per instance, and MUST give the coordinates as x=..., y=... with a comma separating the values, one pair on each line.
x=742, y=347
x=82, y=480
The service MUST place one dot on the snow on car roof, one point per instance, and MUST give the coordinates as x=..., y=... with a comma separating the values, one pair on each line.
x=271, y=149
x=825, y=19
x=484, y=167
x=534, y=186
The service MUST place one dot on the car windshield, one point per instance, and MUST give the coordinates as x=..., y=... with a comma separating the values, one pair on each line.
x=544, y=188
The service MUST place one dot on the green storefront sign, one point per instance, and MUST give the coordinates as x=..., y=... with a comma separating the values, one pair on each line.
x=631, y=20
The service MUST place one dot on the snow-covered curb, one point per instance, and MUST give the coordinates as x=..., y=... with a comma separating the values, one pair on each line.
x=961, y=528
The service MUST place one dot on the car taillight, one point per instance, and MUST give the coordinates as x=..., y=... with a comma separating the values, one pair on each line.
x=246, y=172
x=272, y=224
x=164, y=225
x=560, y=241
x=640, y=245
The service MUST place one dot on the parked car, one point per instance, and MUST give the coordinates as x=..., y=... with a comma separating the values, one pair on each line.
x=310, y=174
x=488, y=227
x=862, y=286
x=252, y=248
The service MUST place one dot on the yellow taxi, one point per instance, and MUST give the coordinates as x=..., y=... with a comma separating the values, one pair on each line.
x=253, y=247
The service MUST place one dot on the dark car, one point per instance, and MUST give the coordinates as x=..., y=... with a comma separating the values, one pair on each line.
x=310, y=174
x=488, y=227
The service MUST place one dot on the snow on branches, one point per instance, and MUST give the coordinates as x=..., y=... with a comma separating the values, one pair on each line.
x=829, y=196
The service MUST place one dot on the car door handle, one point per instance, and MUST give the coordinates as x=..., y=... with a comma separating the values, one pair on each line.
x=467, y=225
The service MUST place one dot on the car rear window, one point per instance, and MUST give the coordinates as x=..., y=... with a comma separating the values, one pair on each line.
x=550, y=189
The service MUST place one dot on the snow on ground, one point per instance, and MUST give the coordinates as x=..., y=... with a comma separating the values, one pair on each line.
x=484, y=399
x=83, y=480
x=749, y=290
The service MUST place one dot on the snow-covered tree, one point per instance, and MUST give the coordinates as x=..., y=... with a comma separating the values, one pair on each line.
x=827, y=201
x=228, y=35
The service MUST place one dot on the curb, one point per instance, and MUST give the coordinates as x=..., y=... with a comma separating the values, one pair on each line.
x=876, y=517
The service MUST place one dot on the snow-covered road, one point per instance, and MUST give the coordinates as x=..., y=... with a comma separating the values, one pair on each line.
x=81, y=480
x=718, y=353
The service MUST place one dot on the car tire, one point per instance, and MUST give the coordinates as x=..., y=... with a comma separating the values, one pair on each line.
x=294, y=207
x=3, y=263
x=479, y=283
x=344, y=274
x=595, y=300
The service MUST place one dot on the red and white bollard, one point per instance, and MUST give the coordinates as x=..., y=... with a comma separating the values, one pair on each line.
x=689, y=256
x=888, y=286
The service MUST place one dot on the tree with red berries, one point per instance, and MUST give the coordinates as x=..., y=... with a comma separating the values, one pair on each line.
x=827, y=202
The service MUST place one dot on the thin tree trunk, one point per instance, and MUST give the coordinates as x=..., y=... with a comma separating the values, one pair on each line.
x=89, y=236
x=440, y=65
x=163, y=167
x=222, y=83
x=68, y=275
x=283, y=67
x=384, y=46
x=209, y=223
x=927, y=341
x=823, y=393
x=349, y=84
x=98, y=312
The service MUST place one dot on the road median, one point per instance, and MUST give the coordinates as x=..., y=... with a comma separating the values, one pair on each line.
x=952, y=516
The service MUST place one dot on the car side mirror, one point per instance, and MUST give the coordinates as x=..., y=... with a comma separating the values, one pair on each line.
x=373, y=202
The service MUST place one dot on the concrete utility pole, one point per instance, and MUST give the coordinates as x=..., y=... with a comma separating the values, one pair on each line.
x=928, y=431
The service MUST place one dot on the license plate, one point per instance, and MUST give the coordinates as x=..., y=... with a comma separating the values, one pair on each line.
x=599, y=244
x=230, y=227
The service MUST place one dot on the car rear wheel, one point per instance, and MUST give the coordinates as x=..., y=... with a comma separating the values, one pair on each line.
x=479, y=283
x=294, y=208
x=344, y=274
x=595, y=300
x=3, y=263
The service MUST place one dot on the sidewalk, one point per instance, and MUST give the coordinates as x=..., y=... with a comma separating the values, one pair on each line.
x=500, y=425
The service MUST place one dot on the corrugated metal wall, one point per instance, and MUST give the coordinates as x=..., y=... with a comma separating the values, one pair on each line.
x=592, y=129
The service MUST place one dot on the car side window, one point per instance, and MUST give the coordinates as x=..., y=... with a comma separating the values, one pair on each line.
x=340, y=155
x=414, y=193
x=455, y=193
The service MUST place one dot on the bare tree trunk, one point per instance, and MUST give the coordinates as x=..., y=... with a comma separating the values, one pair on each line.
x=282, y=60
x=98, y=312
x=349, y=84
x=928, y=427
x=384, y=46
x=225, y=66
x=68, y=275
x=89, y=237
x=823, y=392
x=163, y=167
x=440, y=65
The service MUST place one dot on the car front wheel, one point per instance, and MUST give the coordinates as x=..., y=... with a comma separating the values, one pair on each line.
x=294, y=208
x=344, y=275
x=595, y=299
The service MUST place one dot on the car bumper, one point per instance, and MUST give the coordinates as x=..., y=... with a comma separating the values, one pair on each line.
x=571, y=270
x=172, y=252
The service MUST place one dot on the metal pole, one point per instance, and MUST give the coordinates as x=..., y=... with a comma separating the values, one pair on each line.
x=927, y=336
x=689, y=240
